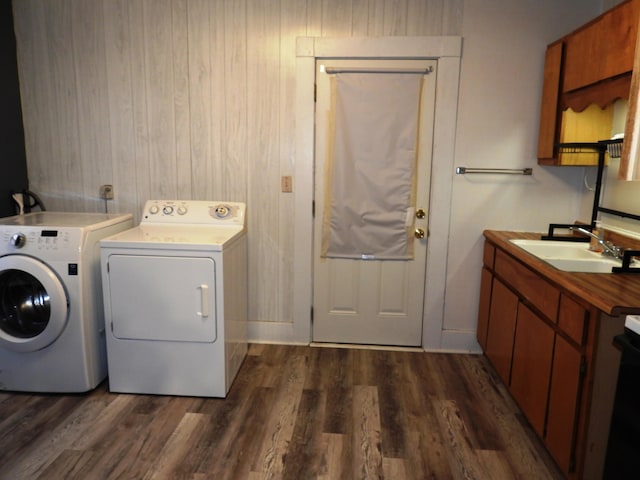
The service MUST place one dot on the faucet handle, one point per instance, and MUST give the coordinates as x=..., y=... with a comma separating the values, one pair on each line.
x=627, y=258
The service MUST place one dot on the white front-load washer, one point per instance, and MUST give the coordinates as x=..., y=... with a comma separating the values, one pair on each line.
x=175, y=298
x=52, y=336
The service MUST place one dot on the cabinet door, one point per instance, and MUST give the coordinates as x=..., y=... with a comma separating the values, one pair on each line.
x=583, y=57
x=549, y=110
x=502, y=326
x=483, y=310
x=563, y=404
x=531, y=369
x=602, y=49
x=621, y=26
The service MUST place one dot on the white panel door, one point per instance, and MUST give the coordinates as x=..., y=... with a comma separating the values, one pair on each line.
x=377, y=302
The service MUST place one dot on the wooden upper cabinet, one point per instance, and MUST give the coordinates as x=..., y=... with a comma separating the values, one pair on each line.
x=583, y=57
x=590, y=66
x=602, y=49
x=550, y=97
x=621, y=27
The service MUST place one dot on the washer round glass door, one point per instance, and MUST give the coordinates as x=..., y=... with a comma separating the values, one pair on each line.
x=34, y=307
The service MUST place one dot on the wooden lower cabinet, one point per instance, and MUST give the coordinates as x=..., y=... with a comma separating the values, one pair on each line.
x=531, y=366
x=501, y=329
x=483, y=311
x=540, y=341
x=560, y=437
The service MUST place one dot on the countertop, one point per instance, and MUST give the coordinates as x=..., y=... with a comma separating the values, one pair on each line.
x=612, y=293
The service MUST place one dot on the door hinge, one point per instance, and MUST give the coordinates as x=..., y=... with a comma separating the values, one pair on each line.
x=315, y=93
x=313, y=209
x=585, y=331
x=583, y=367
x=311, y=313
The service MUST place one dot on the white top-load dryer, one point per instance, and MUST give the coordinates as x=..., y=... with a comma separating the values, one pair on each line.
x=175, y=298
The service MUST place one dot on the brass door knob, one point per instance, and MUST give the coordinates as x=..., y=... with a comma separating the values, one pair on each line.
x=419, y=233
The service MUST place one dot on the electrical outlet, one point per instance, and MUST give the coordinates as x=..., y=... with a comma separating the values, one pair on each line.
x=286, y=184
x=106, y=192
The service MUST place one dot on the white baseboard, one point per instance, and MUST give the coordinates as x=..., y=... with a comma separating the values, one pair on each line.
x=274, y=332
x=451, y=341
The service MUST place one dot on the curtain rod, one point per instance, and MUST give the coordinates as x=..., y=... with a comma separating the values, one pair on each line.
x=422, y=71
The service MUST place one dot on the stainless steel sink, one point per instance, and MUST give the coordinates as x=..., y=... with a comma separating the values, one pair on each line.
x=568, y=256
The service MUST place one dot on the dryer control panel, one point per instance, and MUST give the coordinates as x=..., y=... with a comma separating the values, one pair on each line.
x=193, y=212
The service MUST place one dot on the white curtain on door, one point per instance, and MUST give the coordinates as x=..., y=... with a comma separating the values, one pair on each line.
x=370, y=175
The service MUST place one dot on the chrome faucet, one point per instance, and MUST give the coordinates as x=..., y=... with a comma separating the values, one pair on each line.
x=609, y=249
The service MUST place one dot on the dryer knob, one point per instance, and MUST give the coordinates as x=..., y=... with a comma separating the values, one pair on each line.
x=18, y=240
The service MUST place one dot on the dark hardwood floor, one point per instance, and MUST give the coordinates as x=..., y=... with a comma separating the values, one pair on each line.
x=293, y=412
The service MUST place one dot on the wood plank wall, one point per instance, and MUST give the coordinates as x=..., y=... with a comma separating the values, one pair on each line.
x=187, y=99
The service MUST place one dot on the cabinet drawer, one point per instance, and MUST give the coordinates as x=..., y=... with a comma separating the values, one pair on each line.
x=488, y=255
x=532, y=287
x=572, y=319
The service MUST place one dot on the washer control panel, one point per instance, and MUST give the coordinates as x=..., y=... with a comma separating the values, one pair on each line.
x=196, y=212
x=34, y=241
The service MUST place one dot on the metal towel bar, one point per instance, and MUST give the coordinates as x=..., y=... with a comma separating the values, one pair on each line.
x=509, y=171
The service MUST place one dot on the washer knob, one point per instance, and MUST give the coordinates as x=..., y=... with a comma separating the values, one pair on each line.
x=18, y=240
x=168, y=210
x=182, y=210
x=154, y=209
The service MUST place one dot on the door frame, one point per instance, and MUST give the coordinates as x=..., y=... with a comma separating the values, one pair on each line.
x=447, y=51
x=381, y=301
